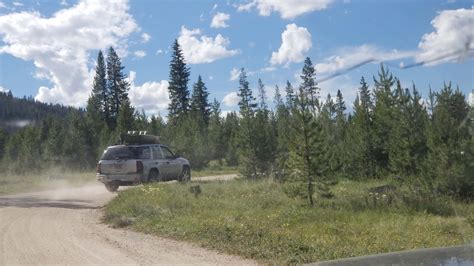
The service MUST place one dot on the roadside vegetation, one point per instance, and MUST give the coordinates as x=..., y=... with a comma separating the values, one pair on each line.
x=257, y=219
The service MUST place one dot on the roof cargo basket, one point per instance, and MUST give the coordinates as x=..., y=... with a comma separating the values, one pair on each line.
x=138, y=137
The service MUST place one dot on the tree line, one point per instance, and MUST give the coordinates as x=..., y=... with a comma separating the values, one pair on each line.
x=306, y=141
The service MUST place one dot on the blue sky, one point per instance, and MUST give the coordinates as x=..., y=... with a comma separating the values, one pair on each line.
x=48, y=48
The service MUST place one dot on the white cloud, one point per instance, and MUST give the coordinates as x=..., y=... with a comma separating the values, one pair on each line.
x=17, y=4
x=2, y=5
x=234, y=74
x=202, y=49
x=231, y=99
x=295, y=43
x=211, y=77
x=2, y=89
x=288, y=9
x=348, y=57
x=63, y=3
x=219, y=20
x=150, y=96
x=214, y=6
x=140, y=53
x=268, y=69
x=453, y=33
x=145, y=37
x=159, y=51
x=60, y=45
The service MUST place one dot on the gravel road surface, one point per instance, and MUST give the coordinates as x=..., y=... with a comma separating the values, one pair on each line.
x=62, y=226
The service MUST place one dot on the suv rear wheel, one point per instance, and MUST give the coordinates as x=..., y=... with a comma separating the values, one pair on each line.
x=154, y=176
x=112, y=187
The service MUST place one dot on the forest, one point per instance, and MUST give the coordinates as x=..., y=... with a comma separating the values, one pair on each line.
x=306, y=141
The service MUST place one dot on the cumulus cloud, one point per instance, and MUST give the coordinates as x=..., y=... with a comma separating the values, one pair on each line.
x=288, y=9
x=231, y=99
x=60, y=45
x=2, y=89
x=151, y=96
x=219, y=20
x=145, y=37
x=198, y=48
x=453, y=34
x=234, y=74
x=295, y=43
x=140, y=53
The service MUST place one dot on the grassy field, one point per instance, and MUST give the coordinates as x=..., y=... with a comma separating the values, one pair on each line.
x=256, y=219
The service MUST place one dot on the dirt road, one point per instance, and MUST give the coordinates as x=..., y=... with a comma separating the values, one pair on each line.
x=62, y=226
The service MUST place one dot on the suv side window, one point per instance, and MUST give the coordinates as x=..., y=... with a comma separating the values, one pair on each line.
x=144, y=153
x=157, y=153
x=166, y=152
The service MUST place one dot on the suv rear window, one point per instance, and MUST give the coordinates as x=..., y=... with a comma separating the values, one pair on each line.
x=127, y=152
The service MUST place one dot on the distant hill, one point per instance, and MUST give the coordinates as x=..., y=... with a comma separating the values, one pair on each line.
x=18, y=112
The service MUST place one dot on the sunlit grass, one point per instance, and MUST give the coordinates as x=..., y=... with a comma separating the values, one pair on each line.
x=256, y=219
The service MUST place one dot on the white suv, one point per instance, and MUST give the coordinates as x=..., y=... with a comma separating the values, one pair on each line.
x=132, y=164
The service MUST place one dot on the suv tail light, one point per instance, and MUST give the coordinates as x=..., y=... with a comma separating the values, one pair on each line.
x=139, y=166
x=98, y=168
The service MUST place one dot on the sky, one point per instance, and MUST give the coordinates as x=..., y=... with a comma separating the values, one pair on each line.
x=48, y=49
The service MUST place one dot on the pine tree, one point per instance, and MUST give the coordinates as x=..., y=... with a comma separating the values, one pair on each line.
x=309, y=83
x=290, y=94
x=231, y=136
x=199, y=103
x=117, y=86
x=98, y=103
x=383, y=117
x=448, y=141
x=126, y=117
x=340, y=135
x=264, y=135
x=247, y=144
x=178, y=85
x=157, y=125
x=308, y=153
x=361, y=130
x=282, y=118
x=217, y=144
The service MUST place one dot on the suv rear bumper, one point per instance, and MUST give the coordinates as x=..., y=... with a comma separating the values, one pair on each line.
x=123, y=179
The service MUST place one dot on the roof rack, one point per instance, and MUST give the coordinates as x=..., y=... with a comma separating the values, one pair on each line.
x=138, y=137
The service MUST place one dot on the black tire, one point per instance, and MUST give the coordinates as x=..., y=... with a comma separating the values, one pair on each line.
x=186, y=174
x=154, y=176
x=112, y=187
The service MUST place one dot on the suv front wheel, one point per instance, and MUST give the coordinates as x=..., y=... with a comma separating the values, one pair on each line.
x=186, y=174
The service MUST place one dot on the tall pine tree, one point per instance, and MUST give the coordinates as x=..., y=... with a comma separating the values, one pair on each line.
x=178, y=85
x=117, y=86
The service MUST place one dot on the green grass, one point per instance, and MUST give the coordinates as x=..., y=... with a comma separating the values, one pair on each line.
x=14, y=183
x=256, y=219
